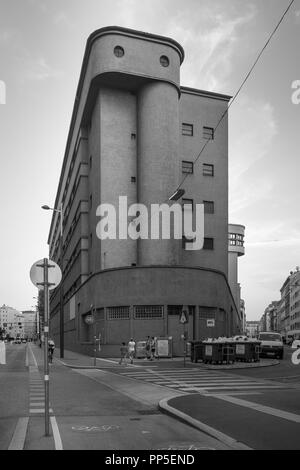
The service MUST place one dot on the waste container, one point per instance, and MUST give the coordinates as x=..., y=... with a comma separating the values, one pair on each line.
x=218, y=352
x=247, y=351
x=196, y=351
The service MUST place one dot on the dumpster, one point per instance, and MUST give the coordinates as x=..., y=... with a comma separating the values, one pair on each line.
x=218, y=352
x=140, y=350
x=247, y=351
x=196, y=351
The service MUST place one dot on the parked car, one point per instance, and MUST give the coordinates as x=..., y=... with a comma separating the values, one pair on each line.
x=17, y=341
x=271, y=344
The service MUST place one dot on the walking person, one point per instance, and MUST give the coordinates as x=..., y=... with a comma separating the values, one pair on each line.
x=148, y=348
x=152, y=348
x=123, y=351
x=131, y=350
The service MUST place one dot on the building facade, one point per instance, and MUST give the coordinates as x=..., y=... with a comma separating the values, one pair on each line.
x=289, y=306
x=12, y=322
x=30, y=324
x=235, y=250
x=252, y=328
x=136, y=132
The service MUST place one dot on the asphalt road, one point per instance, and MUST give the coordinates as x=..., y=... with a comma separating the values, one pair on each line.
x=14, y=391
x=87, y=414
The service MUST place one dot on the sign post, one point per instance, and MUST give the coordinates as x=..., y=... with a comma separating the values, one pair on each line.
x=184, y=318
x=46, y=280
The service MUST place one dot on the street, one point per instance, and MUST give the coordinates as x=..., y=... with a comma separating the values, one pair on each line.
x=113, y=407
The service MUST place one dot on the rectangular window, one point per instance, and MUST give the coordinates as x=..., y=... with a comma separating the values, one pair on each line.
x=208, y=133
x=208, y=170
x=144, y=312
x=209, y=207
x=187, y=240
x=187, y=167
x=118, y=313
x=207, y=315
x=187, y=129
x=91, y=202
x=208, y=244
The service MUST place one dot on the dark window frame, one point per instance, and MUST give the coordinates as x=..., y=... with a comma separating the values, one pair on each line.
x=189, y=130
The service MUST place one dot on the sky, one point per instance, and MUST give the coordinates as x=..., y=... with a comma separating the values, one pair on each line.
x=42, y=44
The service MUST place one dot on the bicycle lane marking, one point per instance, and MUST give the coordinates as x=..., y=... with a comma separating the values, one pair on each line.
x=36, y=393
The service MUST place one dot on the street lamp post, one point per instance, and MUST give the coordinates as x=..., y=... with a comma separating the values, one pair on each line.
x=61, y=322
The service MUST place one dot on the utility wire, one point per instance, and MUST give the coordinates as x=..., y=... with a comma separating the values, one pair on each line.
x=241, y=87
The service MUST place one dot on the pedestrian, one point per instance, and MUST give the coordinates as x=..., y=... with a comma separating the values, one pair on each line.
x=152, y=348
x=131, y=350
x=51, y=347
x=148, y=348
x=123, y=350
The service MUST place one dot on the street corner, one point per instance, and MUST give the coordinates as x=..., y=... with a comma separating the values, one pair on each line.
x=177, y=408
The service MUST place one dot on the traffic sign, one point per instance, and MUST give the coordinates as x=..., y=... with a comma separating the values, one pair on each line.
x=184, y=317
x=37, y=274
x=89, y=319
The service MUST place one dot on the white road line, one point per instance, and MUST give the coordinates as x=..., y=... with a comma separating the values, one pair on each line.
x=32, y=355
x=39, y=410
x=262, y=408
x=18, y=439
x=56, y=434
x=231, y=387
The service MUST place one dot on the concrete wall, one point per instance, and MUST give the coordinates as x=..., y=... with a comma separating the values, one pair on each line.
x=206, y=290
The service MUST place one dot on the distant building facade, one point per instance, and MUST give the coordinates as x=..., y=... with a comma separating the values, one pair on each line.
x=270, y=320
x=12, y=321
x=289, y=306
x=135, y=132
x=252, y=328
x=30, y=324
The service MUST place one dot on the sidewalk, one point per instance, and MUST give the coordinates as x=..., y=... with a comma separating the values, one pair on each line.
x=76, y=360
x=98, y=409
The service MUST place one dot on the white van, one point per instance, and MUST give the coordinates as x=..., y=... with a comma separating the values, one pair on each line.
x=271, y=344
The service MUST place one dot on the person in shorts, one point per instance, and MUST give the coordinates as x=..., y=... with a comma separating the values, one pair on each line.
x=131, y=350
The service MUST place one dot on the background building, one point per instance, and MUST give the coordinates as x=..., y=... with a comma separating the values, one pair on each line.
x=253, y=328
x=235, y=250
x=30, y=324
x=289, y=306
x=11, y=321
x=135, y=132
x=271, y=318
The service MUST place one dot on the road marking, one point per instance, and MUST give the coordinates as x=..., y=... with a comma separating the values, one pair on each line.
x=56, y=434
x=39, y=410
x=32, y=355
x=18, y=439
x=262, y=408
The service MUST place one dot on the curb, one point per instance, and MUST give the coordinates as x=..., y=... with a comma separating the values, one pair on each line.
x=243, y=367
x=227, y=440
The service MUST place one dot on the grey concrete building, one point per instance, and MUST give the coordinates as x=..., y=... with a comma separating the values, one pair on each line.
x=136, y=132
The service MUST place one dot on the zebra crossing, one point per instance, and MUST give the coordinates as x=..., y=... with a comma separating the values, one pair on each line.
x=196, y=381
x=36, y=393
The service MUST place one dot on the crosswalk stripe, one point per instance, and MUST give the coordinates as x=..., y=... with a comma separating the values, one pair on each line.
x=199, y=381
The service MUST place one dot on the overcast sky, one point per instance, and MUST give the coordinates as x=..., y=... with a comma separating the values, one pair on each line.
x=41, y=50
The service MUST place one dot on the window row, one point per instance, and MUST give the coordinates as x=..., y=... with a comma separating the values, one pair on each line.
x=188, y=167
x=144, y=312
x=208, y=133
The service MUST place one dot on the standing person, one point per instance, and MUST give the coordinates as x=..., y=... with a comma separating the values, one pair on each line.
x=131, y=350
x=51, y=347
x=123, y=351
x=148, y=348
x=152, y=347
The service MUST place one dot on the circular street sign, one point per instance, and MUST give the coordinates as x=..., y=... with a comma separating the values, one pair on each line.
x=37, y=274
x=89, y=319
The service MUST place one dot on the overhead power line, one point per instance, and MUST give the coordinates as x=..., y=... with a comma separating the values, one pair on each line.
x=241, y=87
